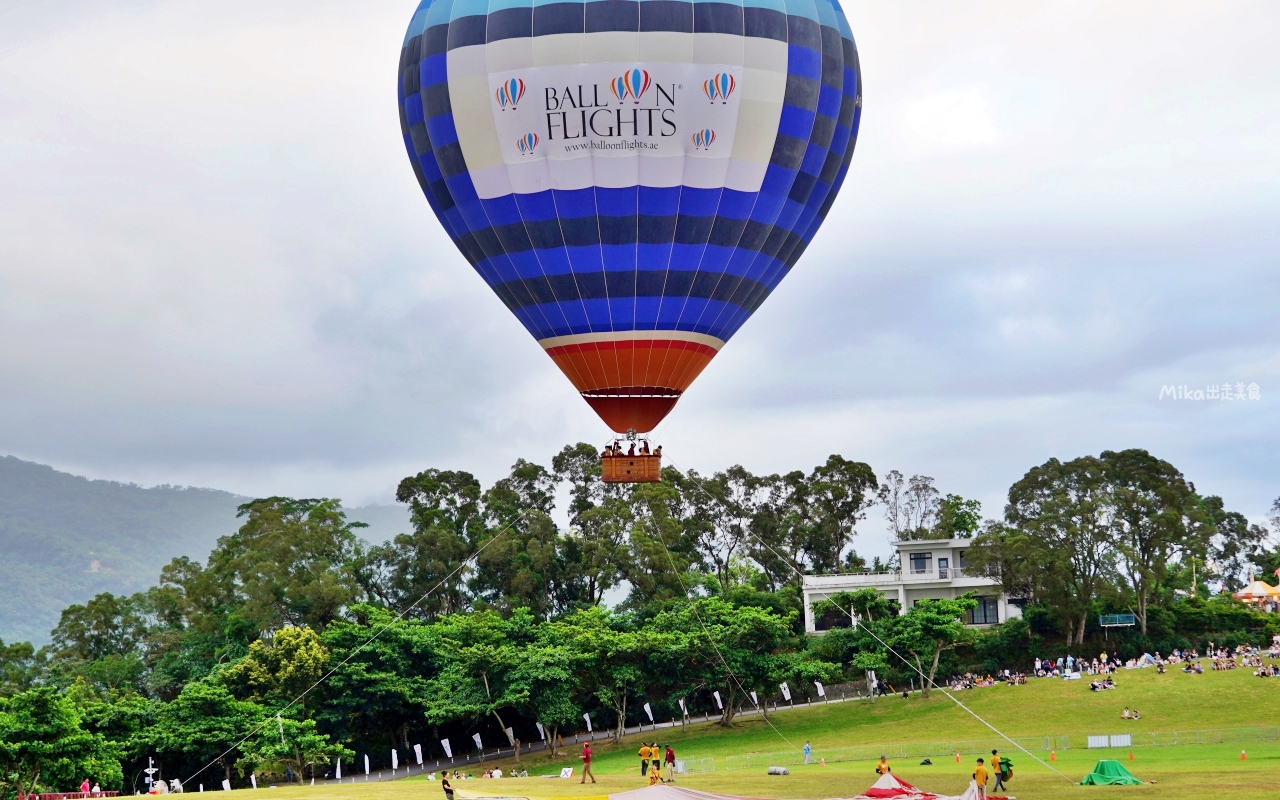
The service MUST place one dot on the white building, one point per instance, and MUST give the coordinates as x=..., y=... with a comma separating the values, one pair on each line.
x=930, y=570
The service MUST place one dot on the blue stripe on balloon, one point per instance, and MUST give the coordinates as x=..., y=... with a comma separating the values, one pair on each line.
x=804, y=61
x=442, y=131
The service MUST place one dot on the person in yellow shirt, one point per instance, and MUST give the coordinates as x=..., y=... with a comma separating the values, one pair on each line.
x=980, y=776
x=883, y=767
x=655, y=774
x=644, y=760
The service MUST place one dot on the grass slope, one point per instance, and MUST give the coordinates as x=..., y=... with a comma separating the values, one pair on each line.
x=1042, y=708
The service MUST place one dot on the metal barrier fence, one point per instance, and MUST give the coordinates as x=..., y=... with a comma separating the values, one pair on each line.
x=1219, y=736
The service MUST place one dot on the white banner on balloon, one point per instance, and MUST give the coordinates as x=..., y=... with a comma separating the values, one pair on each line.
x=417, y=752
x=444, y=745
x=542, y=732
x=719, y=704
x=648, y=712
x=786, y=691
x=587, y=717
x=616, y=109
x=821, y=691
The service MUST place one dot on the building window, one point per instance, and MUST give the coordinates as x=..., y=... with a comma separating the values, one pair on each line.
x=963, y=561
x=921, y=563
x=987, y=612
x=831, y=619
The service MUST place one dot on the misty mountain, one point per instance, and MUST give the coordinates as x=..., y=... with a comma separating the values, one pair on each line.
x=64, y=538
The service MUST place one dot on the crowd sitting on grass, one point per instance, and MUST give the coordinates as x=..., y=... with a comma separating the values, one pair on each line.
x=971, y=681
x=1105, y=683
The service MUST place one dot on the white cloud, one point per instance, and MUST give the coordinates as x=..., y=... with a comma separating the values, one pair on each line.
x=216, y=267
x=950, y=122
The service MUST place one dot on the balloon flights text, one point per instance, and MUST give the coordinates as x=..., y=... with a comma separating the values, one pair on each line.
x=604, y=109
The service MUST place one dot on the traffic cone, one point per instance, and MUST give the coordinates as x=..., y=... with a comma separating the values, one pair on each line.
x=1242, y=756
x=1053, y=755
x=957, y=756
x=1130, y=755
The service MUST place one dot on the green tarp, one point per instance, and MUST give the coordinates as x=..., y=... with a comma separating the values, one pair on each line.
x=1109, y=773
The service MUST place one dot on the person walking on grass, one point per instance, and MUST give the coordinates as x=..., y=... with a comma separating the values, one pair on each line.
x=448, y=787
x=980, y=776
x=808, y=753
x=586, y=764
x=671, y=764
x=997, y=769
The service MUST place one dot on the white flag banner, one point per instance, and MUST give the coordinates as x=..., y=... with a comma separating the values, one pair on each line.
x=253, y=779
x=683, y=710
x=366, y=763
x=786, y=691
x=444, y=745
x=542, y=732
x=587, y=717
x=754, y=700
x=395, y=758
x=280, y=722
x=226, y=785
x=821, y=691
x=511, y=736
x=648, y=712
x=476, y=737
x=719, y=704
x=417, y=752
x=339, y=772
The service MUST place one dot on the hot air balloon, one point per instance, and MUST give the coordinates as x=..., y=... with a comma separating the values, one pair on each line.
x=631, y=247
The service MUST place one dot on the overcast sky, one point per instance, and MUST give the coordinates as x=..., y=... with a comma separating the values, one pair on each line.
x=217, y=269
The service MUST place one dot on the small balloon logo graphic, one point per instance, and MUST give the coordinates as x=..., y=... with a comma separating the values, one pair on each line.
x=527, y=142
x=509, y=93
x=637, y=83
x=719, y=87
x=702, y=139
x=619, y=88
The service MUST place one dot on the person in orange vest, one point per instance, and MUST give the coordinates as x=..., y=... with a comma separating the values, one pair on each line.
x=644, y=759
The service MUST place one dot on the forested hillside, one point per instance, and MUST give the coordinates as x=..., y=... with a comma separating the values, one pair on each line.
x=64, y=539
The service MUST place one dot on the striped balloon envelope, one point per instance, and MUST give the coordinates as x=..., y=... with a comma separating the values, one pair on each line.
x=570, y=151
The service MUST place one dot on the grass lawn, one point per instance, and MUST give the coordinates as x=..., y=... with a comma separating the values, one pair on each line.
x=1044, y=707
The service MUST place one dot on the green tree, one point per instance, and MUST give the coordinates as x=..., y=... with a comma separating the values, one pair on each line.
x=444, y=507
x=289, y=746
x=204, y=724
x=1059, y=538
x=1234, y=542
x=929, y=628
x=1150, y=507
x=958, y=518
x=43, y=746
x=275, y=672
x=20, y=667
